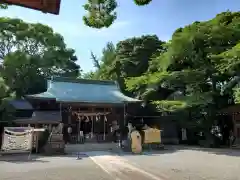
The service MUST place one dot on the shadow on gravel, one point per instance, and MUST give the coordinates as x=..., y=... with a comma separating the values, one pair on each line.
x=82, y=155
x=19, y=159
x=168, y=149
x=217, y=151
x=73, y=155
x=149, y=153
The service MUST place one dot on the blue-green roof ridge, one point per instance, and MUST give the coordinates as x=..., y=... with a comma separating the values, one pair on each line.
x=83, y=81
x=84, y=90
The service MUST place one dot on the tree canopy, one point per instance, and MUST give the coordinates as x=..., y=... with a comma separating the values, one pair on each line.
x=197, y=69
x=196, y=72
x=102, y=13
x=31, y=53
x=197, y=62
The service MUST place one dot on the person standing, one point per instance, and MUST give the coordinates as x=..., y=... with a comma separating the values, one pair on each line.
x=115, y=131
x=69, y=130
x=232, y=138
x=184, y=134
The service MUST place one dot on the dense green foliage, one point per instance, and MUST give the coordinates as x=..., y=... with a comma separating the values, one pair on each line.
x=196, y=73
x=3, y=6
x=102, y=13
x=31, y=53
x=197, y=70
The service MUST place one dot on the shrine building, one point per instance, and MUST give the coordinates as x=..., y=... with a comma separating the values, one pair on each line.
x=89, y=107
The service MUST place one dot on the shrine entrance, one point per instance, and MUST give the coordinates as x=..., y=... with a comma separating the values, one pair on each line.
x=94, y=127
x=232, y=113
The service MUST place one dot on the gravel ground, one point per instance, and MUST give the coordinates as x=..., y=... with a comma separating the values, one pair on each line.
x=94, y=166
x=172, y=164
x=179, y=163
x=51, y=168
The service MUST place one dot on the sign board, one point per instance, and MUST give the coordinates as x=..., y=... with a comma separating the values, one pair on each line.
x=152, y=135
x=17, y=139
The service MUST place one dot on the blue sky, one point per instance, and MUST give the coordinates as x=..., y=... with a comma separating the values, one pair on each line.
x=161, y=17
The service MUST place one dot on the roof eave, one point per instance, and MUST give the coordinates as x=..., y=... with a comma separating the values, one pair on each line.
x=99, y=103
x=31, y=121
x=34, y=97
x=90, y=103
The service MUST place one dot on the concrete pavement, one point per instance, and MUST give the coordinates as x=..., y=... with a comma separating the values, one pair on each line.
x=190, y=163
x=93, y=166
x=119, y=168
x=52, y=168
x=173, y=164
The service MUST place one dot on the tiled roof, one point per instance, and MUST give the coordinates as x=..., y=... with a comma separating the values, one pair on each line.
x=20, y=104
x=86, y=91
x=43, y=116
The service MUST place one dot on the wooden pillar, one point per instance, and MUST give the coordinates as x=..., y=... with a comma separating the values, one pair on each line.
x=92, y=119
x=79, y=118
x=60, y=109
x=104, y=126
x=114, y=114
x=69, y=116
x=234, y=124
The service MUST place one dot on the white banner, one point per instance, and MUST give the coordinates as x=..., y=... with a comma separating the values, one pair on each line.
x=17, y=139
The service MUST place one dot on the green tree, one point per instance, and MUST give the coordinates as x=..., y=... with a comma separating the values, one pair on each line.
x=229, y=63
x=130, y=58
x=33, y=51
x=106, y=64
x=3, y=6
x=189, y=65
x=4, y=89
x=88, y=75
x=95, y=61
x=20, y=71
x=135, y=54
x=101, y=13
x=5, y=118
x=195, y=74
